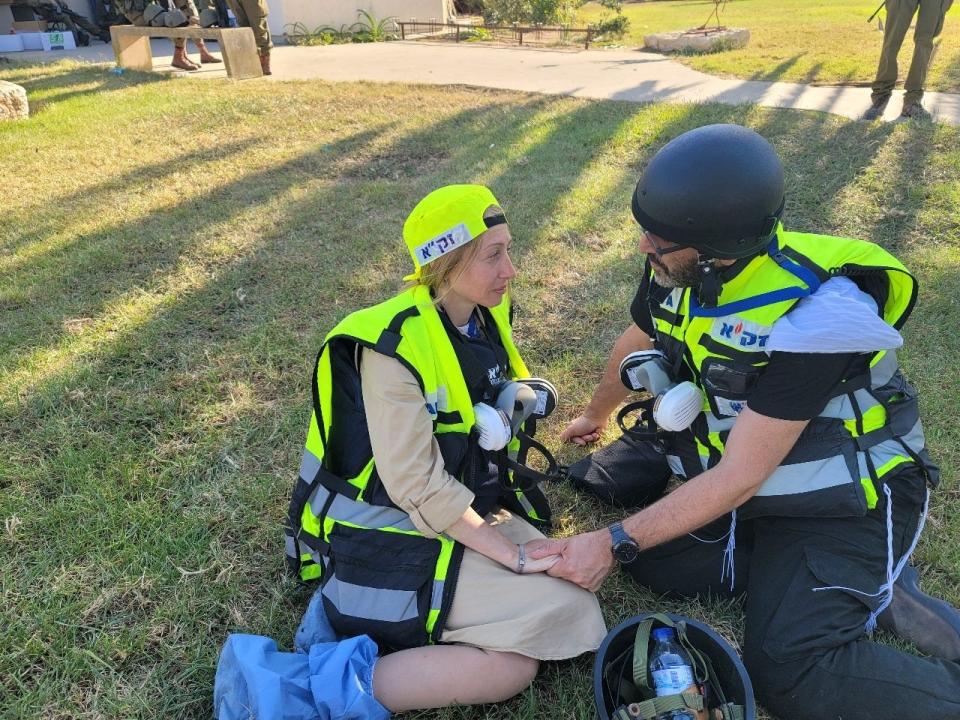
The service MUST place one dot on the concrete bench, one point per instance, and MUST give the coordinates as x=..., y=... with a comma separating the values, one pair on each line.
x=131, y=46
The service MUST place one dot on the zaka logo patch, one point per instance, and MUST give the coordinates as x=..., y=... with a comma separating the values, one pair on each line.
x=442, y=244
x=733, y=331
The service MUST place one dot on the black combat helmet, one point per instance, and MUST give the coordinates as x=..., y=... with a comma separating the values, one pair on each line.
x=620, y=694
x=718, y=188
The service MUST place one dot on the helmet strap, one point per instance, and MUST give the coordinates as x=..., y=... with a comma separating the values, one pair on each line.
x=708, y=293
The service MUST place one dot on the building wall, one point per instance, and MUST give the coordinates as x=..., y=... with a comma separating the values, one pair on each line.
x=315, y=13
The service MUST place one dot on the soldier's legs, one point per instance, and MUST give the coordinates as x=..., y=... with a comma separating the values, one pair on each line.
x=253, y=14
x=188, y=8
x=899, y=15
x=806, y=650
x=929, y=25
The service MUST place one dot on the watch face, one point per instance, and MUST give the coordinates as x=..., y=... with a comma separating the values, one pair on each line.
x=626, y=551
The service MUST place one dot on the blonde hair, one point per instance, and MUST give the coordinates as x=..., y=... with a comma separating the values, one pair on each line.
x=445, y=270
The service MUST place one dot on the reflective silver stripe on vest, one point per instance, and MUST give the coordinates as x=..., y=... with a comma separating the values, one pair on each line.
x=291, y=547
x=806, y=477
x=886, y=451
x=436, y=598
x=371, y=603
x=346, y=510
x=309, y=466
x=884, y=370
x=839, y=408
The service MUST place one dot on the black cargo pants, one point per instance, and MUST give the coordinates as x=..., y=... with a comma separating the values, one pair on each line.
x=806, y=650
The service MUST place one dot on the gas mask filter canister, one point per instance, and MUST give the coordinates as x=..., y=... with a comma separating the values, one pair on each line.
x=675, y=405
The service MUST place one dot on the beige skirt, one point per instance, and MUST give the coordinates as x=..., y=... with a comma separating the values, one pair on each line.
x=536, y=615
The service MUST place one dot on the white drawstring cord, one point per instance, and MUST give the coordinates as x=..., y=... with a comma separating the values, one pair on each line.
x=892, y=572
x=727, y=566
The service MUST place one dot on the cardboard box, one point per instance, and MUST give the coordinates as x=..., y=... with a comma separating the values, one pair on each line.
x=11, y=43
x=30, y=25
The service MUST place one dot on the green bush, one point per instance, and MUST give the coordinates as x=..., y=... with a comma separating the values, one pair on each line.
x=299, y=34
x=613, y=25
x=476, y=34
x=366, y=29
x=369, y=29
x=546, y=12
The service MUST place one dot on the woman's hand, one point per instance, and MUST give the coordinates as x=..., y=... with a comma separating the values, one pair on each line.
x=471, y=530
x=536, y=565
x=584, y=429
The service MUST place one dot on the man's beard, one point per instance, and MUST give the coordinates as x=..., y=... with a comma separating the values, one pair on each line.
x=686, y=275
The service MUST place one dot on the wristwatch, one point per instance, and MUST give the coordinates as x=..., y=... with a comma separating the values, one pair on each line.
x=625, y=548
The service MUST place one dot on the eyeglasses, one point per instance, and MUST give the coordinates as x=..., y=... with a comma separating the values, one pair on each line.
x=661, y=251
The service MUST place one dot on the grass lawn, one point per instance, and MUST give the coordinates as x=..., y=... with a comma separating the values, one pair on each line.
x=826, y=41
x=173, y=251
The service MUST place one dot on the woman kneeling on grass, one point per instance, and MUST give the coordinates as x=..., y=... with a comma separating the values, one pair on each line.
x=399, y=511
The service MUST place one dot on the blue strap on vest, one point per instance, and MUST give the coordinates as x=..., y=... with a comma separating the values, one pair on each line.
x=807, y=276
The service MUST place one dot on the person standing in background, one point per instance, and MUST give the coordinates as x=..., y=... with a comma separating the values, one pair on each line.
x=253, y=14
x=929, y=25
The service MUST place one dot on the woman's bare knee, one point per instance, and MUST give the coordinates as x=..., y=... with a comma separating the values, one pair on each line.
x=517, y=671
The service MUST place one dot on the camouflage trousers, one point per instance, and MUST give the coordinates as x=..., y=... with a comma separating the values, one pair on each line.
x=253, y=14
x=930, y=15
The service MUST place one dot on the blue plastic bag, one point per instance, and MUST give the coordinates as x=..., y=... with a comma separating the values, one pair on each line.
x=334, y=681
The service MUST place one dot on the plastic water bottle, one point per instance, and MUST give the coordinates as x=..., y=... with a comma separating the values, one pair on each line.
x=670, y=669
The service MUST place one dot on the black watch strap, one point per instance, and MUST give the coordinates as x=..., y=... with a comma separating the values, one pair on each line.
x=625, y=548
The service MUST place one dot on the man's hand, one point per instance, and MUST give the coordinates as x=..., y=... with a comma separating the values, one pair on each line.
x=587, y=559
x=583, y=430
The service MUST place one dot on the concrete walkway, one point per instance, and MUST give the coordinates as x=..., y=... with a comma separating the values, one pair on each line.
x=630, y=75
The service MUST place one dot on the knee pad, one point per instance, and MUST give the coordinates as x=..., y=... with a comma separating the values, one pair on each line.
x=208, y=18
x=174, y=18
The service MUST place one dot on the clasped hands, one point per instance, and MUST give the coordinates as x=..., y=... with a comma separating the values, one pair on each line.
x=585, y=559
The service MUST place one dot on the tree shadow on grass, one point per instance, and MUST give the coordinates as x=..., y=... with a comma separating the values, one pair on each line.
x=37, y=223
x=57, y=83
x=109, y=266
x=777, y=71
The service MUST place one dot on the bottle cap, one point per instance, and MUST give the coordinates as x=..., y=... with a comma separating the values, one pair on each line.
x=663, y=633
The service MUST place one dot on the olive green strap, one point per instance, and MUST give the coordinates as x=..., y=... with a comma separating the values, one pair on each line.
x=655, y=707
x=702, y=667
x=641, y=645
x=732, y=712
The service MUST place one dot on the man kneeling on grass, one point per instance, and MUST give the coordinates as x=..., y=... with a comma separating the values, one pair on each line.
x=781, y=402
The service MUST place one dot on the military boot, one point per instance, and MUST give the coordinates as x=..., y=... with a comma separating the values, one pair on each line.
x=265, y=62
x=182, y=61
x=931, y=624
x=206, y=57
